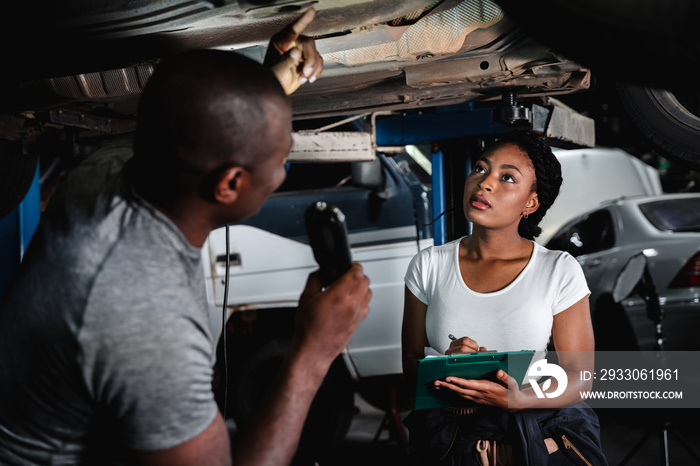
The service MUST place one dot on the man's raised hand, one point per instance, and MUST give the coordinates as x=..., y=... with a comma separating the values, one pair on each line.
x=293, y=57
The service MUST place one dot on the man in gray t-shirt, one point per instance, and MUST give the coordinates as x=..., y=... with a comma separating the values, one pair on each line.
x=106, y=352
x=109, y=328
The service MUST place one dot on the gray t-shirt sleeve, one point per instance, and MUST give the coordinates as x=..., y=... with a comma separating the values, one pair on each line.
x=151, y=371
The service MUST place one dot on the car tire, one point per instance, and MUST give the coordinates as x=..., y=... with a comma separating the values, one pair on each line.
x=611, y=326
x=668, y=125
x=329, y=416
x=648, y=42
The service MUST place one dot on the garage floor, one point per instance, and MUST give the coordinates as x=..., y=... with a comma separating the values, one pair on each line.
x=620, y=429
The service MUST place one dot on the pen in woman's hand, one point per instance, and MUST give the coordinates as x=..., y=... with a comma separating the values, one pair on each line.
x=451, y=337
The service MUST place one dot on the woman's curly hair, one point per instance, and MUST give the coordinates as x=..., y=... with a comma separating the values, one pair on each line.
x=547, y=177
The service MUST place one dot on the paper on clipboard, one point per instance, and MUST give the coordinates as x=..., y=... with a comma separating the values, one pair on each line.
x=466, y=366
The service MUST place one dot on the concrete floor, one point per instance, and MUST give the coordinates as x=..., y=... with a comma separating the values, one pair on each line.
x=621, y=430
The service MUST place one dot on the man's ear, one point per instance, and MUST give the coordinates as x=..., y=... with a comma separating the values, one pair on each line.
x=228, y=185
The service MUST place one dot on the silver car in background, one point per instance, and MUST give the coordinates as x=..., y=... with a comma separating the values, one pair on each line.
x=666, y=228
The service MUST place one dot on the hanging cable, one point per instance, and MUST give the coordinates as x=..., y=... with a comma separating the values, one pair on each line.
x=223, y=320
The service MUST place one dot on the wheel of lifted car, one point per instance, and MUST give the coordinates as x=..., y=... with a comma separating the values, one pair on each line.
x=619, y=36
x=671, y=122
x=330, y=414
x=611, y=326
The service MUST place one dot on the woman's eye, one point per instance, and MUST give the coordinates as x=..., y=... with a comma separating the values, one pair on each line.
x=479, y=169
x=508, y=178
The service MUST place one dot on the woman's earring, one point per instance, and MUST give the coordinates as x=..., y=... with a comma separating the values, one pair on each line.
x=526, y=215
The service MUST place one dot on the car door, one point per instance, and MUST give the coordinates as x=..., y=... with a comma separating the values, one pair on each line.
x=591, y=240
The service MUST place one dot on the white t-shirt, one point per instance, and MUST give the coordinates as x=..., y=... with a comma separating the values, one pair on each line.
x=517, y=317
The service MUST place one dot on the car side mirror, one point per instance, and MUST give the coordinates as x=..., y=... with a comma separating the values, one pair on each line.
x=629, y=277
x=368, y=174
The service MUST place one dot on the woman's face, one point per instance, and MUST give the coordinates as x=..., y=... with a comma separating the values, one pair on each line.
x=498, y=191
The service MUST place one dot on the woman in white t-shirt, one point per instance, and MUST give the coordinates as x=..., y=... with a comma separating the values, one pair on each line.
x=499, y=290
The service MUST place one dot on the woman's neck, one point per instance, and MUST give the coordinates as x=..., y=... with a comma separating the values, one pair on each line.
x=490, y=244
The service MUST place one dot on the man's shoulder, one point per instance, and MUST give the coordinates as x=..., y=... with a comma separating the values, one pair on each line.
x=144, y=314
x=142, y=276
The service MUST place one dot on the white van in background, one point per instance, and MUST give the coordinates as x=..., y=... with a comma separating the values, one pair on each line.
x=592, y=176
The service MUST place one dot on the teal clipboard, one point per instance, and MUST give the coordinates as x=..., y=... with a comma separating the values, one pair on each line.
x=466, y=366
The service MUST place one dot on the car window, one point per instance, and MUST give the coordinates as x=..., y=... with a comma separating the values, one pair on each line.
x=673, y=214
x=417, y=160
x=593, y=233
x=302, y=176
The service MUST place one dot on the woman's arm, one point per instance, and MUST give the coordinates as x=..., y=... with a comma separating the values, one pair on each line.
x=414, y=338
x=572, y=333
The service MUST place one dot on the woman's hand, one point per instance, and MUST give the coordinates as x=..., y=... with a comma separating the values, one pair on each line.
x=464, y=345
x=503, y=393
x=293, y=57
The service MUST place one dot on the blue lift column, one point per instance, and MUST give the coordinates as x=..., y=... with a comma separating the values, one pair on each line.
x=438, y=177
x=16, y=230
